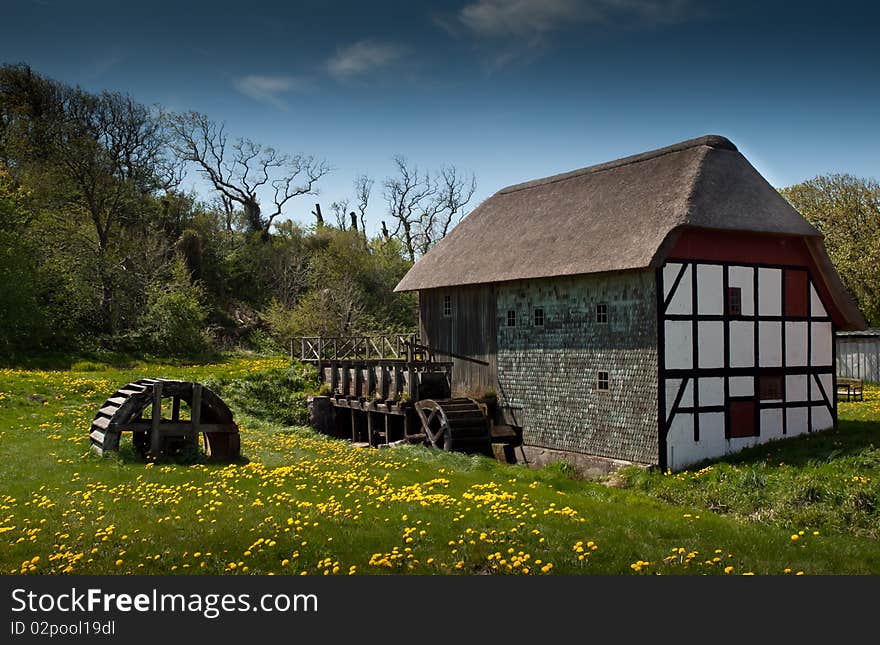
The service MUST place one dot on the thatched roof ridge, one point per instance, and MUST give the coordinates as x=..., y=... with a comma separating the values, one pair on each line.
x=615, y=216
x=710, y=140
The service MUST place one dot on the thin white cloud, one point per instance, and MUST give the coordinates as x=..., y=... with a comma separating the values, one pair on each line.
x=532, y=19
x=363, y=57
x=269, y=89
x=501, y=18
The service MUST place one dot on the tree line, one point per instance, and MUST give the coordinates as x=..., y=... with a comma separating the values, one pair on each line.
x=101, y=248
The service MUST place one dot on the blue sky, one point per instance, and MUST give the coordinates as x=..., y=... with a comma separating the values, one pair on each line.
x=508, y=89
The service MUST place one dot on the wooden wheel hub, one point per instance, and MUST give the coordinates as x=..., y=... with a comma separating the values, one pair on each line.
x=455, y=424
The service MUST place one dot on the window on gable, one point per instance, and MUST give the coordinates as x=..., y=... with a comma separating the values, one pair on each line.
x=797, y=298
x=602, y=312
x=602, y=381
x=734, y=301
x=539, y=317
x=447, y=306
x=511, y=318
x=770, y=387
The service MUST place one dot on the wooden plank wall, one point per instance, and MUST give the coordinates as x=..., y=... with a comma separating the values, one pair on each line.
x=469, y=331
x=859, y=357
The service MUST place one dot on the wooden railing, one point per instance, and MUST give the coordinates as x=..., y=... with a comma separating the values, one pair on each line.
x=396, y=347
x=383, y=347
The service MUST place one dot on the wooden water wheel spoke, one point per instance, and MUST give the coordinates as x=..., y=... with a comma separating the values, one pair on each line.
x=454, y=424
x=124, y=411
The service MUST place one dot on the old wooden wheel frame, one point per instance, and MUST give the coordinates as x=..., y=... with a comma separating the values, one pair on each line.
x=458, y=424
x=124, y=411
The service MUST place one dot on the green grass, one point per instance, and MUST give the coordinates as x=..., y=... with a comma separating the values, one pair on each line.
x=300, y=503
x=828, y=481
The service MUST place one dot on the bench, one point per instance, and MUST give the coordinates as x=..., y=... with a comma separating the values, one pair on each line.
x=851, y=388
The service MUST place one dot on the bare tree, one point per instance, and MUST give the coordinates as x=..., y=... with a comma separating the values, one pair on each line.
x=244, y=171
x=425, y=207
x=363, y=188
x=340, y=213
x=456, y=192
x=319, y=217
x=289, y=275
x=406, y=194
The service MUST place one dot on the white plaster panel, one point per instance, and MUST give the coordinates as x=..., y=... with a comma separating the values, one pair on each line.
x=770, y=292
x=815, y=392
x=828, y=384
x=821, y=418
x=796, y=344
x=816, y=307
x=682, y=299
x=821, y=343
x=711, y=343
x=711, y=391
x=681, y=449
x=742, y=344
x=744, y=278
x=678, y=344
x=670, y=271
x=735, y=444
x=795, y=421
x=710, y=287
x=672, y=385
x=796, y=387
x=712, y=442
x=770, y=344
x=771, y=424
x=742, y=386
x=687, y=399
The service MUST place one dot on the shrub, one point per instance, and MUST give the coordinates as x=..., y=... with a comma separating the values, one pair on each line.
x=88, y=366
x=274, y=395
x=174, y=319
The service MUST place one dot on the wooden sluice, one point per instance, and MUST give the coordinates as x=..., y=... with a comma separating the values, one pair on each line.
x=373, y=400
x=390, y=389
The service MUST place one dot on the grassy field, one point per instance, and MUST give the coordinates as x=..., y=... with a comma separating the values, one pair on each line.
x=299, y=503
x=829, y=481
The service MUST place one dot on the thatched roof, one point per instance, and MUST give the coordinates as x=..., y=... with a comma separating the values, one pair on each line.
x=612, y=217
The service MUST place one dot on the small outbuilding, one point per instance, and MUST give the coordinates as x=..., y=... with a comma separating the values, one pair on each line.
x=661, y=309
x=858, y=354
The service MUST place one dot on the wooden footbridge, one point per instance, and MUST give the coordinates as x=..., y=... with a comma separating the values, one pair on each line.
x=392, y=389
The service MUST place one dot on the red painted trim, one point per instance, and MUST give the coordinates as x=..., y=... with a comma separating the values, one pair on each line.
x=753, y=248
x=796, y=294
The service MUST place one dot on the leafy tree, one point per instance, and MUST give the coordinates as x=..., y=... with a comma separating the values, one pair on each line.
x=99, y=249
x=174, y=320
x=21, y=322
x=97, y=159
x=846, y=210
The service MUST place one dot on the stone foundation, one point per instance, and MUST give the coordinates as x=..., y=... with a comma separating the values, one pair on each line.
x=585, y=465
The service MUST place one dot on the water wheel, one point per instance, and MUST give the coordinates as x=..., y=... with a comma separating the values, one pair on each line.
x=124, y=411
x=455, y=424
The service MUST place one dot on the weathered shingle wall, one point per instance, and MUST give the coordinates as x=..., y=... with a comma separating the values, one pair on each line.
x=548, y=375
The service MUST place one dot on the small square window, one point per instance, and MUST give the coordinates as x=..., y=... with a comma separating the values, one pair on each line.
x=539, y=317
x=770, y=388
x=511, y=318
x=602, y=313
x=734, y=301
x=602, y=381
x=447, y=306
